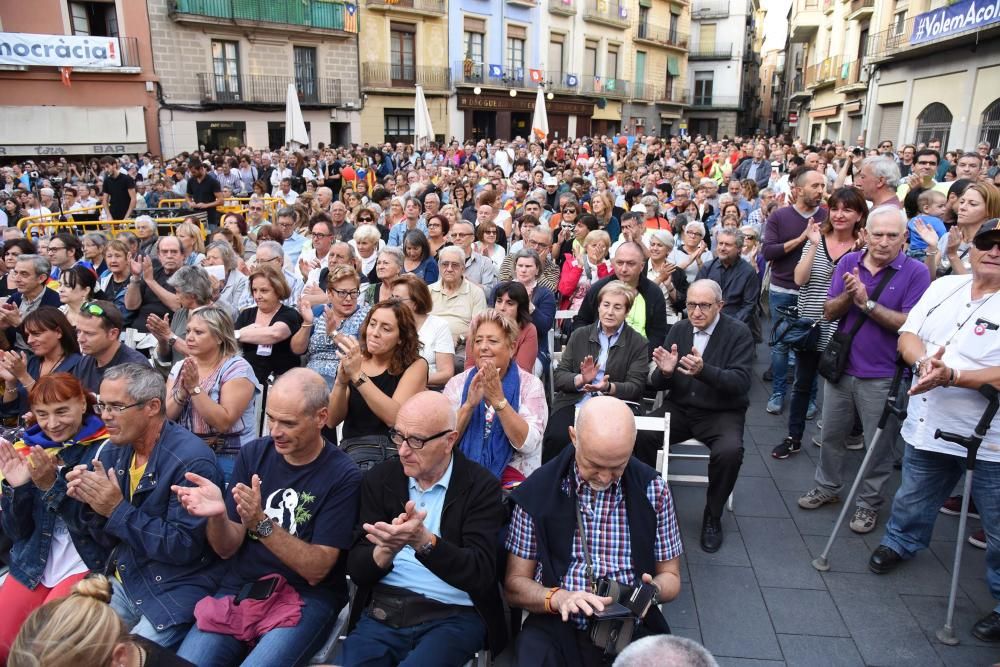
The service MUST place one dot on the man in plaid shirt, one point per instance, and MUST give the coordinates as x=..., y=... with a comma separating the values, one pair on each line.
x=631, y=531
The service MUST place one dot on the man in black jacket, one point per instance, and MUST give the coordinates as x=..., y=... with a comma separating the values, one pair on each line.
x=705, y=363
x=424, y=557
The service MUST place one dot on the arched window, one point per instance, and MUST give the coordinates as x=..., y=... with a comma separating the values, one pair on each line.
x=934, y=121
x=989, y=129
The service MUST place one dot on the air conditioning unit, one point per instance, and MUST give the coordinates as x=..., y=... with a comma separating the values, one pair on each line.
x=350, y=105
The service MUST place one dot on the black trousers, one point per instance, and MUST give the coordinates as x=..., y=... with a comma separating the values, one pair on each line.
x=722, y=432
x=545, y=641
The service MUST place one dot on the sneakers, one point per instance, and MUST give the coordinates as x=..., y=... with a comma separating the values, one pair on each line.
x=978, y=539
x=776, y=404
x=953, y=507
x=864, y=520
x=817, y=498
x=811, y=412
x=853, y=442
x=788, y=447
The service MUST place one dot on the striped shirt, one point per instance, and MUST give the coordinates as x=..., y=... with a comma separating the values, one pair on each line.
x=812, y=295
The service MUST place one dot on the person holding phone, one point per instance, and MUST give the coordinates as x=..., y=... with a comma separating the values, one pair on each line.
x=925, y=165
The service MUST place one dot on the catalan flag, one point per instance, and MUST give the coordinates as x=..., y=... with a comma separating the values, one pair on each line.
x=350, y=17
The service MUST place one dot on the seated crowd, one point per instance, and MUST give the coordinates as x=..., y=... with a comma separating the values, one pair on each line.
x=342, y=404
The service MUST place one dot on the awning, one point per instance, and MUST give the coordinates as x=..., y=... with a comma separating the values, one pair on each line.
x=645, y=3
x=65, y=130
x=673, y=66
x=670, y=116
x=853, y=107
x=824, y=112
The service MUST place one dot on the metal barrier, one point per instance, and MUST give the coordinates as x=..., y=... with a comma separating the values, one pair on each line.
x=271, y=204
x=54, y=216
x=112, y=227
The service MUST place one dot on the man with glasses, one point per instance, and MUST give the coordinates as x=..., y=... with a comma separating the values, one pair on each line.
x=705, y=362
x=162, y=564
x=293, y=243
x=98, y=328
x=925, y=164
x=31, y=274
x=456, y=300
x=322, y=235
x=426, y=576
x=149, y=291
x=885, y=149
x=256, y=216
x=478, y=269
x=64, y=251
x=538, y=239
x=271, y=252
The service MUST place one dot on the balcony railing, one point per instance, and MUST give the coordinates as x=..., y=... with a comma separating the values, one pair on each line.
x=306, y=14
x=849, y=74
x=604, y=86
x=710, y=52
x=710, y=9
x=394, y=75
x=479, y=74
x=435, y=7
x=715, y=101
x=255, y=89
x=660, y=93
x=797, y=86
x=860, y=8
x=562, y=7
x=606, y=12
x=523, y=3
x=827, y=6
x=128, y=49
x=823, y=73
x=661, y=35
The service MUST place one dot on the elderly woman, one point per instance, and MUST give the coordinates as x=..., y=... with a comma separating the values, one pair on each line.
x=527, y=269
x=578, y=273
x=54, y=350
x=660, y=270
x=417, y=257
x=194, y=290
x=501, y=407
x=486, y=243
x=49, y=554
x=115, y=279
x=146, y=232
x=366, y=242
x=321, y=325
x=265, y=330
x=575, y=246
x=605, y=357
x=512, y=301
x=192, y=242
x=211, y=393
x=233, y=289
x=693, y=251
x=237, y=224
x=377, y=373
x=388, y=265
x=94, y=244
x=436, y=344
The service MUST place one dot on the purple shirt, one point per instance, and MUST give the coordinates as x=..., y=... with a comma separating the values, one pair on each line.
x=873, y=351
x=785, y=224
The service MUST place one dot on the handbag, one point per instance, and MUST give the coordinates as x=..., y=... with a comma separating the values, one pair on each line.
x=833, y=360
x=367, y=451
x=799, y=333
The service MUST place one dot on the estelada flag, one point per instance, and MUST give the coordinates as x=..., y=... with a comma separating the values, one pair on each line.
x=65, y=73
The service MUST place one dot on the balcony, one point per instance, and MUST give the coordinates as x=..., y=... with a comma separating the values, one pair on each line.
x=710, y=9
x=824, y=73
x=606, y=12
x=711, y=52
x=861, y=9
x=259, y=90
x=715, y=102
x=128, y=49
x=562, y=7
x=849, y=78
x=659, y=93
x=806, y=19
x=523, y=3
x=389, y=76
x=300, y=16
x=797, y=87
x=432, y=8
x=656, y=35
x=478, y=74
x=605, y=87
x=828, y=6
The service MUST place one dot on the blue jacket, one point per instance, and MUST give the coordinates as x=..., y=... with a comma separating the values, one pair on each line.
x=34, y=366
x=160, y=552
x=28, y=514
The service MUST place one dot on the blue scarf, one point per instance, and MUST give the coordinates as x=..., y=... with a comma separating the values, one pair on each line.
x=496, y=452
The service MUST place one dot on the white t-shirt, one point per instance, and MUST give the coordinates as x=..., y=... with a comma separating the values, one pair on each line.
x=64, y=560
x=436, y=337
x=970, y=332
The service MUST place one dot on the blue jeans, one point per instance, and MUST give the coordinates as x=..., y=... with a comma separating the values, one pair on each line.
x=928, y=480
x=780, y=353
x=226, y=463
x=279, y=647
x=445, y=643
x=129, y=612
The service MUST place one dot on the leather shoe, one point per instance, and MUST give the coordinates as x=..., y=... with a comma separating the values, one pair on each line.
x=884, y=560
x=988, y=628
x=711, y=533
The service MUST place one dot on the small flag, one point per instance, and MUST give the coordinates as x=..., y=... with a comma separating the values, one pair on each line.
x=610, y=85
x=496, y=72
x=602, y=6
x=571, y=80
x=65, y=73
x=351, y=18
x=597, y=84
x=536, y=75
x=622, y=12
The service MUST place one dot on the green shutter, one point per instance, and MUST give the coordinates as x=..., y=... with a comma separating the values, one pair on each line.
x=673, y=66
x=645, y=3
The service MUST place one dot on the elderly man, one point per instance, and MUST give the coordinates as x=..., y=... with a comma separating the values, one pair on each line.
x=412, y=219
x=590, y=491
x=871, y=293
x=538, y=239
x=738, y=279
x=342, y=230
x=324, y=198
x=432, y=205
x=289, y=513
x=949, y=366
x=256, y=215
x=31, y=275
x=98, y=327
x=478, y=269
x=648, y=316
x=286, y=220
x=271, y=252
x=149, y=292
x=878, y=179
x=161, y=563
x=705, y=363
x=322, y=235
x=756, y=168
x=456, y=300
x=427, y=575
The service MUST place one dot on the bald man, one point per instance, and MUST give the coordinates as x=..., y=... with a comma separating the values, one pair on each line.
x=590, y=491
x=426, y=576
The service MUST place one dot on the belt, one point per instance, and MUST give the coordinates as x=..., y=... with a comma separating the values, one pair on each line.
x=401, y=608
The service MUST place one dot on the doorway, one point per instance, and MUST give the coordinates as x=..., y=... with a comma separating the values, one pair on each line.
x=215, y=135
x=520, y=125
x=484, y=125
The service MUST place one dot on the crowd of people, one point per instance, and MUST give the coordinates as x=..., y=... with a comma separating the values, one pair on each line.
x=340, y=367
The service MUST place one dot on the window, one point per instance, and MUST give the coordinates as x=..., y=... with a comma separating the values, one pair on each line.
x=399, y=126
x=611, y=71
x=706, y=38
x=934, y=121
x=644, y=32
x=590, y=59
x=675, y=22
x=402, y=37
x=899, y=23
x=990, y=128
x=515, y=57
x=94, y=18
x=474, y=46
x=557, y=55
x=863, y=44
x=226, y=69
x=305, y=73
x=703, y=88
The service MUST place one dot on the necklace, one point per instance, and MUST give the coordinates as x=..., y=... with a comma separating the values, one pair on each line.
x=41, y=368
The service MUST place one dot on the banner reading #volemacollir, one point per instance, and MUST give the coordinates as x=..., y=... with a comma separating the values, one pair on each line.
x=21, y=48
x=953, y=19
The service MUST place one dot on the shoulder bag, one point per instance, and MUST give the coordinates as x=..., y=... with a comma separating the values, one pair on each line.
x=799, y=333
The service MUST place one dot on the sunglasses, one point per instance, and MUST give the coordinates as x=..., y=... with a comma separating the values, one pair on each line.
x=91, y=308
x=984, y=244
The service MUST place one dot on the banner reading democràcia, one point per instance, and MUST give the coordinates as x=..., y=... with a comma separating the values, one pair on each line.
x=953, y=19
x=21, y=48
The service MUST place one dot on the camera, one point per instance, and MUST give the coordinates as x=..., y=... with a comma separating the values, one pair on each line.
x=613, y=630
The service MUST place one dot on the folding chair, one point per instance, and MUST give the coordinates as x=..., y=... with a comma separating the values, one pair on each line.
x=555, y=356
x=325, y=655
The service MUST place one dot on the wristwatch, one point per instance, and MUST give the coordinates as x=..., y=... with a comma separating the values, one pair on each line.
x=360, y=381
x=425, y=549
x=870, y=306
x=263, y=529
x=196, y=391
x=172, y=340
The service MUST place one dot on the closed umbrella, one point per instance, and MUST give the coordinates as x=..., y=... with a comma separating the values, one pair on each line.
x=295, y=126
x=422, y=118
x=540, y=121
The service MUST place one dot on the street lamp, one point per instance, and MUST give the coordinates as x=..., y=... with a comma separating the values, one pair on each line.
x=513, y=93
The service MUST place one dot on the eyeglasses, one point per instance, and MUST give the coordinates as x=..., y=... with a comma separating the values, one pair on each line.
x=412, y=441
x=272, y=259
x=703, y=307
x=345, y=293
x=320, y=235
x=256, y=208
x=460, y=235
x=927, y=163
x=490, y=231
x=366, y=219
x=985, y=245
x=117, y=409
x=53, y=248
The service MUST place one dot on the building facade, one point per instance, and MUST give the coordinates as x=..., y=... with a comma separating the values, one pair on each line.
x=225, y=66
x=67, y=103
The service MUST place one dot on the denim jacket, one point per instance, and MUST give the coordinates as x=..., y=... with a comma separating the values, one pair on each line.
x=28, y=516
x=160, y=552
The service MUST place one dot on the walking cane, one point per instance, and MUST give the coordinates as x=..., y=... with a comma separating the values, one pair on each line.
x=822, y=562
x=946, y=635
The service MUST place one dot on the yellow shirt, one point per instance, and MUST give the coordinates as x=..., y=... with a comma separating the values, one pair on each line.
x=134, y=475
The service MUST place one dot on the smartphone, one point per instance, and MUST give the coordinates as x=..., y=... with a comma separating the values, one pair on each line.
x=261, y=589
x=613, y=610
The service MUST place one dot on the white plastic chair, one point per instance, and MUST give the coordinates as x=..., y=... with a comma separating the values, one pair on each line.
x=554, y=356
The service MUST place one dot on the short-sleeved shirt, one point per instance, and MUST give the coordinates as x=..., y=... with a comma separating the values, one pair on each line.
x=316, y=502
x=117, y=188
x=91, y=375
x=204, y=193
x=873, y=351
x=281, y=358
x=243, y=430
x=435, y=336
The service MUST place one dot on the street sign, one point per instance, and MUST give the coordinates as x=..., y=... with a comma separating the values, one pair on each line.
x=793, y=118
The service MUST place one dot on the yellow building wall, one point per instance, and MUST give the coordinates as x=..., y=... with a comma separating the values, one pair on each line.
x=935, y=89
x=373, y=115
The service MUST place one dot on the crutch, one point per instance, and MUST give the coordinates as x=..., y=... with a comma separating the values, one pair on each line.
x=822, y=562
x=946, y=635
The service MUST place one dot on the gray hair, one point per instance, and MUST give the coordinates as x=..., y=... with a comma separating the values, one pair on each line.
x=663, y=236
x=710, y=284
x=146, y=220
x=694, y=224
x=528, y=253
x=97, y=238
x=314, y=394
x=884, y=167
x=452, y=250
x=142, y=383
x=193, y=280
x=273, y=247
x=41, y=265
x=220, y=325
x=229, y=259
x=887, y=211
x=350, y=249
x=651, y=203
x=367, y=232
x=392, y=251
x=737, y=235
x=665, y=651
x=286, y=212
